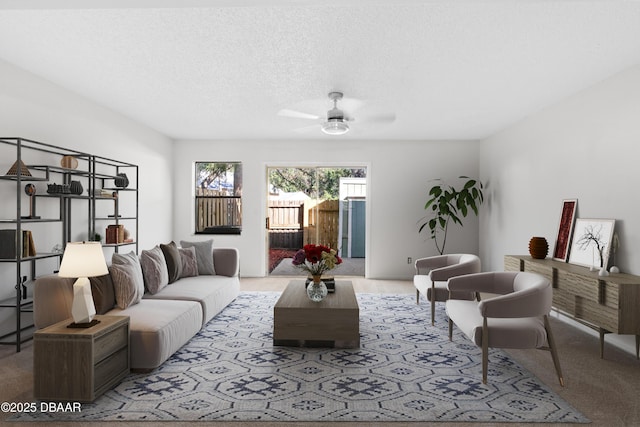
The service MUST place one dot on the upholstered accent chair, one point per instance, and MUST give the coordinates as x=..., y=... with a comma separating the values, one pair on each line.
x=515, y=315
x=433, y=272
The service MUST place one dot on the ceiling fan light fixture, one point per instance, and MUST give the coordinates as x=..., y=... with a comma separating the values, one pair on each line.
x=335, y=127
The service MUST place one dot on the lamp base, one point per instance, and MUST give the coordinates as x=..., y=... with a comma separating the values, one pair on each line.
x=84, y=324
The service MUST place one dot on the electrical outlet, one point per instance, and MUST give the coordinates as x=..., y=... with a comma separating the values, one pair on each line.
x=409, y=260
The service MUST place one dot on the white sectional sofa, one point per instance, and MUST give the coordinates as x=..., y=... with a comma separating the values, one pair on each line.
x=160, y=323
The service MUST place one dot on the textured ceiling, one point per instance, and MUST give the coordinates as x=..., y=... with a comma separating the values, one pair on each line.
x=197, y=69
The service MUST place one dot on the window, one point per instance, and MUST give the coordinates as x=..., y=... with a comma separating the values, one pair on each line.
x=218, y=197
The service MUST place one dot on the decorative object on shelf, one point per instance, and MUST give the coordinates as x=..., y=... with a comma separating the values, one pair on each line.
x=122, y=181
x=565, y=228
x=101, y=192
x=615, y=245
x=10, y=243
x=59, y=188
x=82, y=260
x=18, y=166
x=448, y=204
x=24, y=287
x=592, y=242
x=538, y=247
x=114, y=234
x=76, y=187
x=315, y=260
x=30, y=190
x=69, y=162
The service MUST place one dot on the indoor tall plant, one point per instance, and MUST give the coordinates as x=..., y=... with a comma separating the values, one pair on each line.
x=446, y=203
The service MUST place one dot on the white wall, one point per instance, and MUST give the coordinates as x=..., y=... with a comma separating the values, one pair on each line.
x=585, y=147
x=33, y=108
x=398, y=172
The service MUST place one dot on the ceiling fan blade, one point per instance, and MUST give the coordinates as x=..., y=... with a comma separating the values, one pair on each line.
x=286, y=112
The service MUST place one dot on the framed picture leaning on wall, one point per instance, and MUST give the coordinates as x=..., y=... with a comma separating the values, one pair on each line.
x=565, y=228
x=591, y=242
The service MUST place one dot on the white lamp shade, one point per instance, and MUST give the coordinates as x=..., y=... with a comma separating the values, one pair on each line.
x=83, y=259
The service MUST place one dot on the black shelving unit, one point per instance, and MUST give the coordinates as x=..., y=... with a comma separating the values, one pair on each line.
x=96, y=172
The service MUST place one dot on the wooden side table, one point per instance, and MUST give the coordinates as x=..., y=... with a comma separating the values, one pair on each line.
x=79, y=364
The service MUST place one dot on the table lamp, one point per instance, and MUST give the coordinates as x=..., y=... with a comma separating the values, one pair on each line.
x=83, y=260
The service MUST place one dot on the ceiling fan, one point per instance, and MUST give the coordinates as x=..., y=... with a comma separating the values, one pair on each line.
x=336, y=121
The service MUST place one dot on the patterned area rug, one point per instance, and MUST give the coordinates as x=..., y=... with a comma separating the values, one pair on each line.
x=405, y=370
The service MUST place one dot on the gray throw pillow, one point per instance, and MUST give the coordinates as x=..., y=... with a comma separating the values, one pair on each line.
x=204, y=255
x=130, y=260
x=172, y=258
x=189, y=262
x=154, y=269
x=125, y=285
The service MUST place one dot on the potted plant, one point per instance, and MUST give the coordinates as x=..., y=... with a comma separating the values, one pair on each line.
x=446, y=203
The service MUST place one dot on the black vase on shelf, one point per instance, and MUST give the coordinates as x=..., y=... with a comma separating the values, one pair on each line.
x=122, y=181
x=76, y=187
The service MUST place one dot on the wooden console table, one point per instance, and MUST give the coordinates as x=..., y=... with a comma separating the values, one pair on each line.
x=606, y=304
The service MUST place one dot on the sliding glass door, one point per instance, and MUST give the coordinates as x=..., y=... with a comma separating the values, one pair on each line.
x=320, y=205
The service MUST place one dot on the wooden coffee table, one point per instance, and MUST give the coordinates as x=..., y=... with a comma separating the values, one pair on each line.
x=332, y=322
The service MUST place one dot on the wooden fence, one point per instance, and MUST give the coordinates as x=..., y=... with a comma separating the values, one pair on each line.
x=322, y=222
x=285, y=224
x=294, y=223
x=217, y=209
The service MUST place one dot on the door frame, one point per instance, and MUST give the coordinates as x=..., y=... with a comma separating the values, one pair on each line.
x=276, y=165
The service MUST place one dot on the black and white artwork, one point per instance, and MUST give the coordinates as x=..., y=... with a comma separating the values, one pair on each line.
x=591, y=242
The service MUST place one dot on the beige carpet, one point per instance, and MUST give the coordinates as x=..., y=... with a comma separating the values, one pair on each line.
x=605, y=390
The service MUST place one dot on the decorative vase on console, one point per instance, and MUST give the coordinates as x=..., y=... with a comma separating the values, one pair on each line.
x=538, y=247
x=315, y=260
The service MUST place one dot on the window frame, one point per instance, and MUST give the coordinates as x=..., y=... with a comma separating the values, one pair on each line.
x=231, y=204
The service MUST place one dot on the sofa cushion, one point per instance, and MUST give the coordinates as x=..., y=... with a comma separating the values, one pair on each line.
x=189, y=262
x=204, y=255
x=173, y=261
x=158, y=328
x=102, y=292
x=128, y=286
x=154, y=269
x=213, y=293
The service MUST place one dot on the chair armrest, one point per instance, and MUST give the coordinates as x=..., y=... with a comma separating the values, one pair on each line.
x=445, y=273
x=226, y=261
x=425, y=265
x=490, y=282
x=531, y=302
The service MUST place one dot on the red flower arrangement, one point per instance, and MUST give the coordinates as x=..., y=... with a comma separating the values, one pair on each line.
x=316, y=259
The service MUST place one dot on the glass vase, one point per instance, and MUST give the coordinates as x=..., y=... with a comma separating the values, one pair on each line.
x=317, y=290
